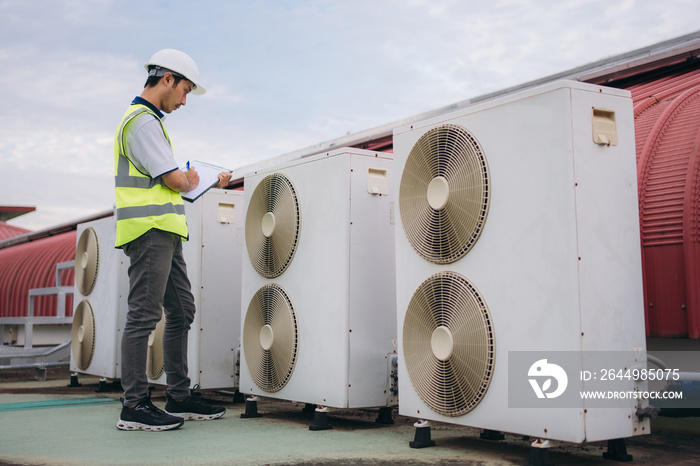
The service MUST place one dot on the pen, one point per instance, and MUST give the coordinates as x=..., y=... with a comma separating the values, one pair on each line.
x=188, y=165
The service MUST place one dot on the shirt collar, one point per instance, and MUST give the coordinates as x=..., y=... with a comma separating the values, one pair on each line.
x=140, y=100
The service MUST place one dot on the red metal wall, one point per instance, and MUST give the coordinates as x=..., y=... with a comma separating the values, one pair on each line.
x=33, y=265
x=667, y=126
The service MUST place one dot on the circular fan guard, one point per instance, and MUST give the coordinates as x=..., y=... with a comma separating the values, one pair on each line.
x=82, y=335
x=154, y=358
x=87, y=258
x=444, y=194
x=270, y=338
x=272, y=225
x=449, y=344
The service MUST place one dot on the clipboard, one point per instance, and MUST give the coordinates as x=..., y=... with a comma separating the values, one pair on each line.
x=208, y=178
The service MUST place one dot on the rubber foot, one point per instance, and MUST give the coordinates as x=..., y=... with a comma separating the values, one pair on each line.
x=539, y=457
x=617, y=451
x=251, y=408
x=384, y=416
x=74, y=381
x=102, y=386
x=309, y=408
x=422, y=437
x=320, y=420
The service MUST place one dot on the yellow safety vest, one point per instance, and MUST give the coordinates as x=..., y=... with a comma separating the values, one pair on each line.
x=143, y=203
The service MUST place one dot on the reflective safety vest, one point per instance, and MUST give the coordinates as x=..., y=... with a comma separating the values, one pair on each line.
x=143, y=203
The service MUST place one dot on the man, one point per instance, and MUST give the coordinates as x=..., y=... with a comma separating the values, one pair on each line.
x=150, y=229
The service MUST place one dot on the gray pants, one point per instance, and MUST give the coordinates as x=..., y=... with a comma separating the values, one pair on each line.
x=157, y=282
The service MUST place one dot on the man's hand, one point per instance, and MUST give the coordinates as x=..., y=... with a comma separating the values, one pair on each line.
x=224, y=179
x=180, y=181
x=193, y=178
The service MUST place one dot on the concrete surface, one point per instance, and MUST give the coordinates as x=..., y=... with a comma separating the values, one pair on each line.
x=46, y=422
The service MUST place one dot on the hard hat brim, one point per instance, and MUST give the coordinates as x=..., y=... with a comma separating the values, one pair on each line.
x=198, y=89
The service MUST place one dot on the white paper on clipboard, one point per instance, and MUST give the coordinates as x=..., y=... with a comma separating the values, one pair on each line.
x=208, y=177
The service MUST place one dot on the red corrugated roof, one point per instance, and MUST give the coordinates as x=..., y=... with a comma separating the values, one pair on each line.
x=33, y=265
x=10, y=231
x=667, y=127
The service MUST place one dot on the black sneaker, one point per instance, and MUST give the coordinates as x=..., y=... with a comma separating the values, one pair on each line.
x=146, y=416
x=193, y=408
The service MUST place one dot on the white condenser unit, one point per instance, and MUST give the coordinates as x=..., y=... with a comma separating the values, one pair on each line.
x=518, y=233
x=318, y=293
x=100, y=291
x=213, y=256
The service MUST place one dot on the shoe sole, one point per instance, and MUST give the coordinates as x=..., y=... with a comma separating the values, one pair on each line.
x=130, y=425
x=197, y=416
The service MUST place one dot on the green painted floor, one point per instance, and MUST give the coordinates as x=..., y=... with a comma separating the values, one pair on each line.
x=49, y=423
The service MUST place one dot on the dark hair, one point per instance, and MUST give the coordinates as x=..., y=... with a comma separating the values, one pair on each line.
x=153, y=80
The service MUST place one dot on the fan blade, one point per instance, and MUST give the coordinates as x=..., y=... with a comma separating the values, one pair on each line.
x=86, y=261
x=154, y=357
x=272, y=225
x=450, y=382
x=83, y=335
x=270, y=338
x=444, y=194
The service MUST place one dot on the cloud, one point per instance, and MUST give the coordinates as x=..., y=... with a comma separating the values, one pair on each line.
x=281, y=76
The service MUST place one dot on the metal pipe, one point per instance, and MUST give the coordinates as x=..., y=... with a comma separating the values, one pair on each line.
x=682, y=376
x=36, y=365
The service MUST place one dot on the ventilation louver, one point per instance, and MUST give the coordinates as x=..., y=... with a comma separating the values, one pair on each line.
x=83, y=334
x=449, y=344
x=270, y=338
x=154, y=357
x=87, y=259
x=444, y=194
x=272, y=225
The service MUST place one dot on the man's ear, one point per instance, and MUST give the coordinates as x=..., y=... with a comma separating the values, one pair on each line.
x=167, y=79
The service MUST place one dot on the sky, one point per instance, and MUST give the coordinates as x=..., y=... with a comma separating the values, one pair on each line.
x=281, y=75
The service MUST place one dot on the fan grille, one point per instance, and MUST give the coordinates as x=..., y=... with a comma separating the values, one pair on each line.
x=155, y=365
x=270, y=338
x=449, y=344
x=87, y=258
x=444, y=193
x=272, y=225
x=83, y=335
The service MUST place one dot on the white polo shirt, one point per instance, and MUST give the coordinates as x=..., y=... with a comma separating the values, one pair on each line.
x=148, y=149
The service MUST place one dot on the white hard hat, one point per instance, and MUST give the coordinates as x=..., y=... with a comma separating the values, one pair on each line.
x=177, y=62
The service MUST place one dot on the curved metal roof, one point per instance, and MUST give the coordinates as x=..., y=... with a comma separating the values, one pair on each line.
x=10, y=231
x=33, y=265
x=667, y=126
x=663, y=162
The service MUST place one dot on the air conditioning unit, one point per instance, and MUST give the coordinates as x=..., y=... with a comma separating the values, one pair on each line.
x=518, y=236
x=318, y=292
x=213, y=256
x=100, y=290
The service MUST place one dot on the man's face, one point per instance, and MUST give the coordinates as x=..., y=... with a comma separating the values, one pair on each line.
x=175, y=95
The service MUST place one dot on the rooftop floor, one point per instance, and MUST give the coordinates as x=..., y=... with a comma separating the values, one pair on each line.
x=47, y=422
